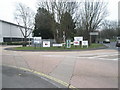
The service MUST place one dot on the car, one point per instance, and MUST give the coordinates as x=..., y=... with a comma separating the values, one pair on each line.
x=118, y=38
x=106, y=41
x=118, y=43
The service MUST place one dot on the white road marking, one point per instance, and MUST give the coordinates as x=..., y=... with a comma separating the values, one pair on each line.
x=115, y=59
x=50, y=82
x=102, y=56
x=97, y=56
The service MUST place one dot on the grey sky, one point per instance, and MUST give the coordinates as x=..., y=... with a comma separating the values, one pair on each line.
x=7, y=8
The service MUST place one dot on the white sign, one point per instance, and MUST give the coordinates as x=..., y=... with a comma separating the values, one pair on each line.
x=37, y=40
x=76, y=43
x=84, y=43
x=93, y=33
x=57, y=45
x=46, y=43
x=78, y=38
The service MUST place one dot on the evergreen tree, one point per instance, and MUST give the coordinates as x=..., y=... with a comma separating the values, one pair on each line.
x=43, y=24
x=67, y=25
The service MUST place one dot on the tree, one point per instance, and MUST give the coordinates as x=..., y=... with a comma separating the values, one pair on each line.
x=43, y=24
x=57, y=8
x=24, y=16
x=109, y=29
x=92, y=14
x=67, y=25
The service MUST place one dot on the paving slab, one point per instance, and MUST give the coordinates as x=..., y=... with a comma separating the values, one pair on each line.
x=64, y=70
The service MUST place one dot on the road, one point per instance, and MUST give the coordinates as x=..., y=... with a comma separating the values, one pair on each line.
x=16, y=78
x=112, y=45
x=81, y=69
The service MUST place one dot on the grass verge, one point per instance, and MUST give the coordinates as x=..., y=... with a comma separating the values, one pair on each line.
x=59, y=48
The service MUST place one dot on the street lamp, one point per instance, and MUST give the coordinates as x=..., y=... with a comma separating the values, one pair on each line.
x=100, y=36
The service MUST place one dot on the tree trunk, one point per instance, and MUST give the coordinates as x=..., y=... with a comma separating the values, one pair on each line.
x=87, y=36
x=25, y=41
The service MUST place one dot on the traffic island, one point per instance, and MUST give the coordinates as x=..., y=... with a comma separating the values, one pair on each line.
x=63, y=48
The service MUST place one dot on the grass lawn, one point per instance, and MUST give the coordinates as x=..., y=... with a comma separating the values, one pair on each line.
x=59, y=48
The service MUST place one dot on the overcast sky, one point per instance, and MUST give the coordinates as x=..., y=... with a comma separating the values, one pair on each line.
x=7, y=8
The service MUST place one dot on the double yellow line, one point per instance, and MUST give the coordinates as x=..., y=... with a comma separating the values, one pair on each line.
x=46, y=76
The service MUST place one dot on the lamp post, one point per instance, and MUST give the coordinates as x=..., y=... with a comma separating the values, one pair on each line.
x=39, y=42
x=64, y=38
x=29, y=40
x=100, y=36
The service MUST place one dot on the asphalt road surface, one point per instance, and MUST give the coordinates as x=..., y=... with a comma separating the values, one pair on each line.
x=112, y=45
x=16, y=78
x=81, y=69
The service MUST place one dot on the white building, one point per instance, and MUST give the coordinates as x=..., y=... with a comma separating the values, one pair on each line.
x=10, y=32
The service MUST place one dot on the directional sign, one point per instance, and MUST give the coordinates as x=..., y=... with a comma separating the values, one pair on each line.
x=84, y=43
x=37, y=40
x=57, y=45
x=46, y=43
x=78, y=38
x=76, y=43
x=93, y=33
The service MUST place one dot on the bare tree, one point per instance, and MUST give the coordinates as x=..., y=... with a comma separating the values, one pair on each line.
x=24, y=17
x=109, y=29
x=92, y=14
x=107, y=24
x=57, y=8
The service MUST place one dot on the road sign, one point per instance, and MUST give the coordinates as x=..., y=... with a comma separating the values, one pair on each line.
x=37, y=40
x=76, y=43
x=93, y=33
x=68, y=43
x=85, y=43
x=57, y=45
x=78, y=38
x=46, y=43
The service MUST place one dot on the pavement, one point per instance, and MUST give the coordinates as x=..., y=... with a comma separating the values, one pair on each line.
x=80, y=69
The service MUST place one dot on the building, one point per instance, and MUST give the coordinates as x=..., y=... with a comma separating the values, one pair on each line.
x=11, y=32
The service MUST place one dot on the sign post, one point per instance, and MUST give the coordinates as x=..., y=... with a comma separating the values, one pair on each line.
x=93, y=34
